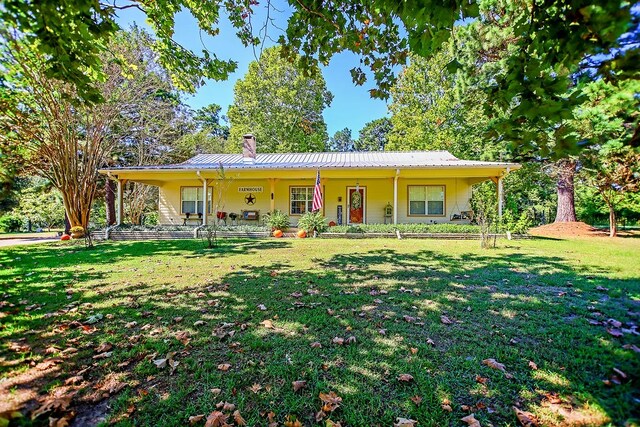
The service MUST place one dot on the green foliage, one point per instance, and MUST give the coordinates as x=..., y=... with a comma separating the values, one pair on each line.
x=313, y=221
x=342, y=141
x=10, y=223
x=280, y=106
x=406, y=228
x=277, y=220
x=40, y=204
x=430, y=111
x=374, y=135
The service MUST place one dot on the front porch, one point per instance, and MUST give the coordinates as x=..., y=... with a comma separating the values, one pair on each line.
x=355, y=197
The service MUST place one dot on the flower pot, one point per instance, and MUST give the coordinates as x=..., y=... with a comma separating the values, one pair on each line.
x=77, y=234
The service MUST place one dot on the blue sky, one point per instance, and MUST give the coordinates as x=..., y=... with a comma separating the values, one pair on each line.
x=352, y=106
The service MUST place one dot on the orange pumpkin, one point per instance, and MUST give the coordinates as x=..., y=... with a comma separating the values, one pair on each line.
x=277, y=233
x=302, y=234
x=65, y=237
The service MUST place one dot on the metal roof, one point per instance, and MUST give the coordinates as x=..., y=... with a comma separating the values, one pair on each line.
x=327, y=160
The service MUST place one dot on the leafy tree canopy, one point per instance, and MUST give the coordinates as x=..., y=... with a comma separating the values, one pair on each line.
x=342, y=141
x=374, y=135
x=281, y=106
x=549, y=39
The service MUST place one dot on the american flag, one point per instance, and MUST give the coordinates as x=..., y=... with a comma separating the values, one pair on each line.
x=317, y=194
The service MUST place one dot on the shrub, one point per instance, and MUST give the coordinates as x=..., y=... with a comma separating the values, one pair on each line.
x=10, y=223
x=313, y=222
x=278, y=220
x=406, y=228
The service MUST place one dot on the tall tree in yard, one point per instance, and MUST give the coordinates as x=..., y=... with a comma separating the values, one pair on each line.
x=608, y=121
x=68, y=138
x=374, y=136
x=280, y=105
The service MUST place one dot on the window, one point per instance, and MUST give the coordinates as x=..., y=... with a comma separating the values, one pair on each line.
x=192, y=200
x=426, y=200
x=301, y=199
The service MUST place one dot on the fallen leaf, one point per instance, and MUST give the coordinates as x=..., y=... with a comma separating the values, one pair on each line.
x=331, y=401
x=262, y=307
x=533, y=365
x=481, y=380
x=409, y=319
x=196, y=419
x=224, y=367
x=526, y=419
x=199, y=323
x=238, y=418
x=631, y=347
x=299, y=385
x=216, y=391
x=329, y=423
x=178, y=319
x=320, y=415
x=267, y=324
x=492, y=363
x=338, y=340
x=255, y=388
x=104, y=355
x=292, y=421
x=52, y=404
x=404, y=422
x=131, y=325
x=416, y=399
x=316, y=344
x=413, y=350
x=614, y=332
x=216, y=419
x=104, y=347
x=445, y=320
x=471, y=421
x=405, y=378
x=351, y=339
x=160, y=363
x=447, y=407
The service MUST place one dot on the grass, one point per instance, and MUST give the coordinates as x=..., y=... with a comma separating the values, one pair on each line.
x=524, y=301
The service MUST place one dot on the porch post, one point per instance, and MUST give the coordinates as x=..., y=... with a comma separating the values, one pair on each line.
x=395, y=197
x=272, y=195
x=120, y=211
x=500, y=196
x=205, y=203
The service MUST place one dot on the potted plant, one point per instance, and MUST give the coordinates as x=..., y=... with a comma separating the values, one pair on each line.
x=312, y=223
x=277, y=221
x=77, y=232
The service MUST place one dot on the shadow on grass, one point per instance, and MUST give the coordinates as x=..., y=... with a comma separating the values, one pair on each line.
x=516, y=308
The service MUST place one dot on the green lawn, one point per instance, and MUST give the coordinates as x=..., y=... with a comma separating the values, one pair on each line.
x=526, y=304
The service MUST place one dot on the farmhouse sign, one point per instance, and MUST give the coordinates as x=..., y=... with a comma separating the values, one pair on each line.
x=249, y=189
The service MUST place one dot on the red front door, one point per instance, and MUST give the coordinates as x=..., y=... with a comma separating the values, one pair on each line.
x=356, y=205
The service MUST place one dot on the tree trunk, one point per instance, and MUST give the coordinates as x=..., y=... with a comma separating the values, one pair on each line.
x=110, y=201
x=613, y=227
x=566, y=204
x=67, y=224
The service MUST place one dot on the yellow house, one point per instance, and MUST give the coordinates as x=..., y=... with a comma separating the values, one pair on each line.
x=357, y=187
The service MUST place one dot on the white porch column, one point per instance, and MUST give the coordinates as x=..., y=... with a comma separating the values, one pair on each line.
x=272, y=195
x=395, y=197
x=500, y=196
x=120, y=211
x=205, y=203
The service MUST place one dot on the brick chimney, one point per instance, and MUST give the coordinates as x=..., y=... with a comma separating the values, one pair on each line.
x=249, y=149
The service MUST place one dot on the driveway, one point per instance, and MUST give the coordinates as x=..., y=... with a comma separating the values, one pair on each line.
x=26, y=241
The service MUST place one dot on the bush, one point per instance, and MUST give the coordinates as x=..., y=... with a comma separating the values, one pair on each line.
x=10, y=223
x=311, y=222
x=406, y=228
x=278, y=220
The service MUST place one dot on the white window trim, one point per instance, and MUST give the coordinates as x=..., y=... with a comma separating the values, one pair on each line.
x=426, y=207
x=309, y=203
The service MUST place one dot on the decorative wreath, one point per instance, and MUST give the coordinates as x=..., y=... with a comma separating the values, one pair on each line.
x=356, y=200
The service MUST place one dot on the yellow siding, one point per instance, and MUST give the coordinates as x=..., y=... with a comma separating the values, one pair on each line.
x=379, y=192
